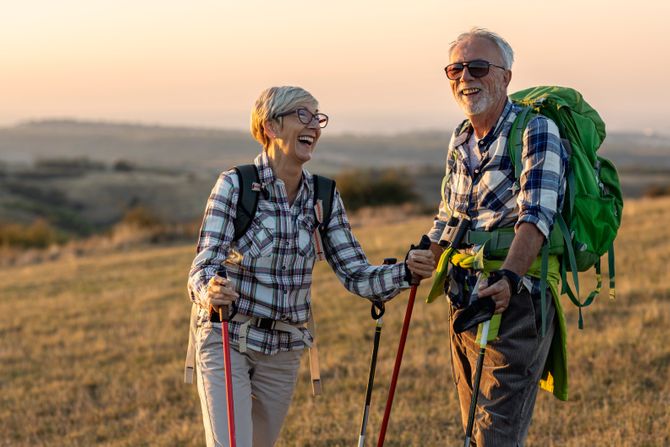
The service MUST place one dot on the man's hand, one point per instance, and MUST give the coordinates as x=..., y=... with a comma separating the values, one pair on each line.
x=220, y=292
x=500, y=291
x=421, y=263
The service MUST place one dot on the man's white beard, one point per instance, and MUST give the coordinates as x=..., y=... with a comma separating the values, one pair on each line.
x=476, y=107
x=483, y=101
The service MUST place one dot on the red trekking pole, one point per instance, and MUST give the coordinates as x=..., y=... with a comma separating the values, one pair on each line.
x=423, y=245
x=224, y=317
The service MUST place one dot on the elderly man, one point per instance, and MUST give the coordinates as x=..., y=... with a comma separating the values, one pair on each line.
x=480, y=191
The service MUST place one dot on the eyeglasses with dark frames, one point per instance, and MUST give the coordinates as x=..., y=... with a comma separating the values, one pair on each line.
x=306, y=117
x=477, y=68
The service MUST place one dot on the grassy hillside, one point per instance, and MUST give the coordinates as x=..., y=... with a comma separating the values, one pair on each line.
x=92, y=352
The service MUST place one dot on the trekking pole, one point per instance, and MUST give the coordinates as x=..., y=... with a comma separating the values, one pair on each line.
x=423, y=245
x=376, y=311
x=480, y=311
x=478, y=378
x=224, y=317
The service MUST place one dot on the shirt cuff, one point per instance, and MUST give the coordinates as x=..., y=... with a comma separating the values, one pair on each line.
x=540, y=224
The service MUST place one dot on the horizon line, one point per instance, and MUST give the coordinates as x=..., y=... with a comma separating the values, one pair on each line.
x=647, y=132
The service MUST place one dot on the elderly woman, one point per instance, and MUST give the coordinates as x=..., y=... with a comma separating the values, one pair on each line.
x=269, y=273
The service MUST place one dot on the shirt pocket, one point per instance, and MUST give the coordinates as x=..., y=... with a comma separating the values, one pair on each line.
x=306, y=226
x=258, y=241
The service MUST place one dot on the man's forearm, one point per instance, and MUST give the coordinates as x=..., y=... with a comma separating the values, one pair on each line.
x=525, y=248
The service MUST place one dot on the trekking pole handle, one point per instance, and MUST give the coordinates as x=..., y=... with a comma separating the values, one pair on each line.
x=224, y=312
x=424, y=244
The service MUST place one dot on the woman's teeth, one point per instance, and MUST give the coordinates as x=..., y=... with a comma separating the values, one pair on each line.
x=306, y=139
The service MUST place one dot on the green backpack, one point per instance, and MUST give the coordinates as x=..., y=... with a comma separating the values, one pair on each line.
x=593, y=204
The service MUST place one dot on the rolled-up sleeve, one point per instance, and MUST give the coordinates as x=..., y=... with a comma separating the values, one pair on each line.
x=542, y=182
x=216, y=234
x=348, y=261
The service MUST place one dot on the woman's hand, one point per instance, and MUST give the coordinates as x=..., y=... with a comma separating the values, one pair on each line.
x=220, y=292
x=421, y=263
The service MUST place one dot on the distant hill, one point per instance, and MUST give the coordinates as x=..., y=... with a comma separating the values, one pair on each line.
x=201, y=149
x=206, y=149
x=85, y=175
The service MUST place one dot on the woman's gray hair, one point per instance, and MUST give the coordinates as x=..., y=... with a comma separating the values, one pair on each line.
x=272, y=102
x=505, y=48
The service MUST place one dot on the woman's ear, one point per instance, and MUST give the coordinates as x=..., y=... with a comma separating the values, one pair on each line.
x=270, y=128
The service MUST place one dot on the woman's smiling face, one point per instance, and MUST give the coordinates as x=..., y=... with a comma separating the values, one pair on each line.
x=296, y=139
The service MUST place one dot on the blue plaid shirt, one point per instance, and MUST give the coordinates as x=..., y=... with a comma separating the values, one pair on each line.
x=271, y=265
x=489, y=194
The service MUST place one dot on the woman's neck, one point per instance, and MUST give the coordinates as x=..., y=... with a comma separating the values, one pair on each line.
x=287, y=171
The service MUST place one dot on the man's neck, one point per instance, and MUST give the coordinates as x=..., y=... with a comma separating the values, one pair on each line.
x=484, y=122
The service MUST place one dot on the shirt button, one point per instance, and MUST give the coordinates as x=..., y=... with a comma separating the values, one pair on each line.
x=477, y=171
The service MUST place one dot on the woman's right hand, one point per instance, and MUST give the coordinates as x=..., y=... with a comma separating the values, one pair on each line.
x=220, y=292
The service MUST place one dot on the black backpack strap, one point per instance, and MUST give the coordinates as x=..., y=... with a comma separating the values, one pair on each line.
x=247, y=201
x=324, y=189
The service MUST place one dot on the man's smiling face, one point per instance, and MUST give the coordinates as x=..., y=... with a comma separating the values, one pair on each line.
x=479, y=96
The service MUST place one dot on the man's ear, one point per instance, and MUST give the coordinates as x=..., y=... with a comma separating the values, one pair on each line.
x=508, y=77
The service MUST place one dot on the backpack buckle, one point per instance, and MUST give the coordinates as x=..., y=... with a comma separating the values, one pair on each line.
x=454, y=234
x=265, y=323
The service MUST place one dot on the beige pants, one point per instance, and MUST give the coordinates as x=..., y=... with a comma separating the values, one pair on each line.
x=262, y=388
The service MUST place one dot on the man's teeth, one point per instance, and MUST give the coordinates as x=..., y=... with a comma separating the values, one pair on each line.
x=470, y=91
x=306, y=139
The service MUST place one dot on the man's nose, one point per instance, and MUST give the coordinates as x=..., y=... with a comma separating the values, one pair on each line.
x=466, y=75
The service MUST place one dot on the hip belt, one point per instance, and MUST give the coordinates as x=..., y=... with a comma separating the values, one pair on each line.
x=267, y=324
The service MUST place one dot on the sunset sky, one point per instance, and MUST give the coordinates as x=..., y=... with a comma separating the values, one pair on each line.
x=375, y=66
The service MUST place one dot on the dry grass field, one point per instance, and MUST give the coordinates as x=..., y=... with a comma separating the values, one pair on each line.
x=91, y=353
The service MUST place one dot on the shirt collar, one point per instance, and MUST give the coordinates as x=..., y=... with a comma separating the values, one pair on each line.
x=265, y=172
x=466, y=129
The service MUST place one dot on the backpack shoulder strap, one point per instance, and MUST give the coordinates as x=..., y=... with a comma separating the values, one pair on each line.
x=324, y=190
x=515, y=139
x=248, y=198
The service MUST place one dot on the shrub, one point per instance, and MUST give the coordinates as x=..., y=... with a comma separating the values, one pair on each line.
x=657, y=191
x=123, y=166
x=361, y=188
x=141, y=217
x=37, y=235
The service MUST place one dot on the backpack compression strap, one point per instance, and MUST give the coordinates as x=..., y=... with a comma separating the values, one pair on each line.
x=248, y=199
x=324, y=190
x=324, y=193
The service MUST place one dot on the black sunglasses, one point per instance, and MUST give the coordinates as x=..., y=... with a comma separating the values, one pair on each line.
x=306, y=117
x=478, y=69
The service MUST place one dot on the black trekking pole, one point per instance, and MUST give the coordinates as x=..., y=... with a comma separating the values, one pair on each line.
x=423, y=245
x=376, y=311
x=480, y=311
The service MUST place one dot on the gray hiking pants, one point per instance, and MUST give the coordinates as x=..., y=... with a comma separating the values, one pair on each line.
x=262, y=388
x=513, y=365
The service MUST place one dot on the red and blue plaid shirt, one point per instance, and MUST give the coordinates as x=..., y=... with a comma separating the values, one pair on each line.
x=490, y=194
x=271, y=265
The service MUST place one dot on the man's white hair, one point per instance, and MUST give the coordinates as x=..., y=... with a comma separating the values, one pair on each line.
x=505, y=49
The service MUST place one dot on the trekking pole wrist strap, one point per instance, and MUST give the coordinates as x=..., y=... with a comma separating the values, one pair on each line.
x=514, y=280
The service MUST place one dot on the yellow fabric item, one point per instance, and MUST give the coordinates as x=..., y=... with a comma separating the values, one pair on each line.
x=555, y=376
